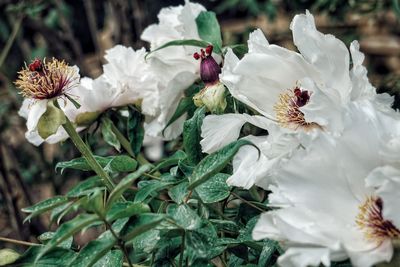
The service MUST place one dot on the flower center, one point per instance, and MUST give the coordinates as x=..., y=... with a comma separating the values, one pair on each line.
x=372, y=223
x=287, y=109
x=46, y=80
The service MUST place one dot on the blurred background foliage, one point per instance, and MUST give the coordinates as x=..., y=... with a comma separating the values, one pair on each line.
x=79, y=31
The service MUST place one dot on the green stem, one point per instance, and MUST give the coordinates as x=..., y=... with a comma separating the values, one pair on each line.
x=122, y=139
x=87, y=154
x=18, y=242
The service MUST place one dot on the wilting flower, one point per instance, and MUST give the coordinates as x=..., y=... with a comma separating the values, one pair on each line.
x=213, y=94
x=297, y=93
x=173, y=66
x=42, y=83
x=338, y=197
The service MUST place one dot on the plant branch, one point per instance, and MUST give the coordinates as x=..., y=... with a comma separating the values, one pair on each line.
x=18, y=242
x=85, y=151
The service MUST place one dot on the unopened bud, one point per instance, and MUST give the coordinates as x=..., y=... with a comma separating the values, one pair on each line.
x=213, y=97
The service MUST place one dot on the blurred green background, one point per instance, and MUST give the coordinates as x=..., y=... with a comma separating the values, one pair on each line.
x=79, y=31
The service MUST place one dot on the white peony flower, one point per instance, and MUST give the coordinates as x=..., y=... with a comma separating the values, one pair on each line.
x=174, y=66
x=42, y=83
x=338, y=197
x=297, y=93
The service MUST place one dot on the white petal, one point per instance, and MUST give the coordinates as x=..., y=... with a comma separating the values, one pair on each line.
x=382, y=253
x=328, y=54
x=386, y=180
x=219, y=130
x=36, y=111
x=305, y=256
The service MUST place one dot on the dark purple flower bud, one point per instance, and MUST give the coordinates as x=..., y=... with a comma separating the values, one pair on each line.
x=209, y=68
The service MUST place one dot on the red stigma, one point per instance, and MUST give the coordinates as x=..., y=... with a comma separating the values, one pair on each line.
x=209, y=50
x=36, y=65
x=196, y=56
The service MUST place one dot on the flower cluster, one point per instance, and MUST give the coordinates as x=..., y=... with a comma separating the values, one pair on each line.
x=329, y=150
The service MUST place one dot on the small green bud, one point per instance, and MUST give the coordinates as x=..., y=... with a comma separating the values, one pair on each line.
x=213, y=97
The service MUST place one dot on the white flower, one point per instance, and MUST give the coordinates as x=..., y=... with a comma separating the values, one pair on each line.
x=174, y=66
x=338, y=197
x=297, y=93
x=41, y=83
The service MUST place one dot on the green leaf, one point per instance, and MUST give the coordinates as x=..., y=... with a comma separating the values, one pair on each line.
x=95, y=250
x=189, y=42
x=224, y=225
x=44, y=206
x=108, y=134
x=142, y=223
x=85, y=187
x=121, y=163
x=125, y=183
x=215, y=189
x=135, y=129
x=191, y=135
x=179, y=192
x=170, y=161
x=185, y=104
x=209, y=29
x=47, y=236
x=55, y=257
x=126, y=209
x=239, y=49
x=113, y=258
x=267, y=253
x=184, y=216
x=8, y=256
x=146, y=241
x=214, y=163
x=67, y=230
x=149, y=188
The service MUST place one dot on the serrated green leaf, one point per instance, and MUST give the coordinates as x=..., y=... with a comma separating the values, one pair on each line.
x=108, y=134
x=8, y=256
x=121, y=163
x=214, y=163
x=126, y=209
x=44, y=206
x=209, y=29
x=141, y=223
x=67, y=230
x=215, y=189
x=179, y=192
x=191, y=135
x=184, y=216
x=125, y=183
x=188, y=42
x=185, y=104
x=170, y=161
x=135, y=129
x=95, y=250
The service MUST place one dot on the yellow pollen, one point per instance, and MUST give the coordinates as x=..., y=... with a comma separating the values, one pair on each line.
x=52, y=79
x=372, y=223
x=288, y=113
